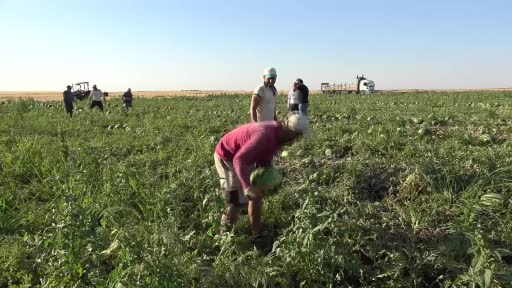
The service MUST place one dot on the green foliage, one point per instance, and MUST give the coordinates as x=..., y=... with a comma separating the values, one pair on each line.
x=393, y=190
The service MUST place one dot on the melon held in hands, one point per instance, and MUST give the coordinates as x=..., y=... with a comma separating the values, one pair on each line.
x=268, y=178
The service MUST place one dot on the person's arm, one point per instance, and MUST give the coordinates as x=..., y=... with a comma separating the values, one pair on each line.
x=247, y=156
x=255, y=103
x=275, y=104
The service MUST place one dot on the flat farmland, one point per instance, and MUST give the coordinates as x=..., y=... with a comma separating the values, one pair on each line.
x=405, y=189
x=57, y=96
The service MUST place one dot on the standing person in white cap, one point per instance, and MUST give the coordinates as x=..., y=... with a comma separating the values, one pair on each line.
x=240, y=151
x=263, y=102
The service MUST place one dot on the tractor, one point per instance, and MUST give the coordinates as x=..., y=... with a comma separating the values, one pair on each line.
x=81, y=90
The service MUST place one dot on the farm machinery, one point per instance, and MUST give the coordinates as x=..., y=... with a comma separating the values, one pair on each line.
x=81, y=91
x=362, y=86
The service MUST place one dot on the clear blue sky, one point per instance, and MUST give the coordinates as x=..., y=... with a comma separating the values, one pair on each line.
x=174, y=45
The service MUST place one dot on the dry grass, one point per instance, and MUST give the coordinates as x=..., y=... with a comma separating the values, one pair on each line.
x=57, y=96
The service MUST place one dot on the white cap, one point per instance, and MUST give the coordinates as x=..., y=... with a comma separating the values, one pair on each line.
x=298, y=122
x=270, y=72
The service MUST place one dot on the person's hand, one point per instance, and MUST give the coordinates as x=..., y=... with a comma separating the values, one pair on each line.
x=254, y=192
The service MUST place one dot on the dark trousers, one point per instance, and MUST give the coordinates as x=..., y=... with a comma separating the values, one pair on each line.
x=294, y=107
x=69, y=108
x=96, y=103
x=303, y=107
x=127, y=104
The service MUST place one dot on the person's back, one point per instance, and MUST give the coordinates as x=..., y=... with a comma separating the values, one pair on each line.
x=68, y=96
x=96, y=95
x=303, y=93
x=128, y=96
x=303, y=96
x=127, y=99
x=257, y=137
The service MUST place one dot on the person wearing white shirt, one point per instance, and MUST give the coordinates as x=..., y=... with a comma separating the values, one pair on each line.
x=263, y=102
x=96, y=97
x=293, y=98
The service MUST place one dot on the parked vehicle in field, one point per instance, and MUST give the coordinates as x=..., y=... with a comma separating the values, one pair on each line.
x=362, y=86
x=81, y=91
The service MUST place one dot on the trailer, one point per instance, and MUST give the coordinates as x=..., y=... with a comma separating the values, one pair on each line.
x=361, y=86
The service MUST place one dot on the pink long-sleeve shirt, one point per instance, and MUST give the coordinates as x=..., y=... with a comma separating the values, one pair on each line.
x=250, y=144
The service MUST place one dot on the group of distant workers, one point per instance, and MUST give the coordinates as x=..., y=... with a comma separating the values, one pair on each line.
x=96, y=98
x=246, y=147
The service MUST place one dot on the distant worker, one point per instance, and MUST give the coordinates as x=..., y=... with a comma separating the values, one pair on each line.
x=127, y=99
x=68, y=101
x=293, y=98
x=240, y=151
x=303, y=96
x=263, y=102
x=96, y=96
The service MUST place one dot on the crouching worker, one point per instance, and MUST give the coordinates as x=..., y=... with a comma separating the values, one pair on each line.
x=245, y=148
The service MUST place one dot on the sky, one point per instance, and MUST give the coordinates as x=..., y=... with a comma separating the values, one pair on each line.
x=225, y=45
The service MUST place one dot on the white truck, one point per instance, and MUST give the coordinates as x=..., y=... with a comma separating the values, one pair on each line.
x=362, y=86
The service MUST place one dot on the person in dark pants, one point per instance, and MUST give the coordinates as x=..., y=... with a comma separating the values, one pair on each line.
x=68, y=101
x=96, y=96
x=127, y=99
x=303, y=96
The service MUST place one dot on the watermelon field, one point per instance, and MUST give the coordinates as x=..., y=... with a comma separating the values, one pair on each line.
x=392, y=190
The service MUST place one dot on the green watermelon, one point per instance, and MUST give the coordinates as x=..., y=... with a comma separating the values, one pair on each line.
x=492, y=199
x=268, y=178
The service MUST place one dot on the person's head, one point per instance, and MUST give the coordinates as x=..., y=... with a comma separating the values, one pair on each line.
x=299, y=81
x=129, y=89
x=270, y=76
x=68, y=87
x=295, y=126
x=295, y=86
x=94, y=87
